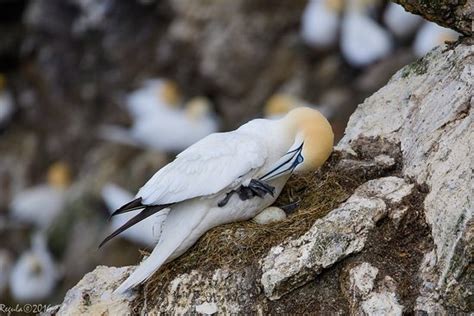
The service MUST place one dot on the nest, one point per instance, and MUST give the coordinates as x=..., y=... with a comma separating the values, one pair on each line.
x=242, y=244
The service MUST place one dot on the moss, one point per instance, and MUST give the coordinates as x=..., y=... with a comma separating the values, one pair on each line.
x=417, y=68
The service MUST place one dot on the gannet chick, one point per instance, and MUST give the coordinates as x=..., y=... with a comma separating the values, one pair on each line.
x=224, y=178
x=147, y=232
x=41, y=204
x=400, y=22
x=35, y=274
x=6, y=262
x=170, y=132
x=363, y=41
x=320, y=22
x=6, y=103
x=431, y=35
x=155, y=97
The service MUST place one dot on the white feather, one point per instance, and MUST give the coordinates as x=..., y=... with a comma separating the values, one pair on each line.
x=399, y=21
x=35, y=275
x=38, y=205
x=363, y=40
x=319, y=24
x=431, y=35
x=188, y=176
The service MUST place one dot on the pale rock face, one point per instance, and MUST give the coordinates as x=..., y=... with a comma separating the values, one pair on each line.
x=341, y=233
x=270, y=215
x=362, y=278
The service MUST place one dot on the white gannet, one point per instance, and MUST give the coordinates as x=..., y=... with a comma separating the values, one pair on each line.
x=154, y=97
x=400, y=22
x=320, y=22
x=431, y=35
x=363, y=41
x=34, y=275
x=41, y=204
x=147, y=232
x=6, y=103
x=172, y=131
x=223, y=178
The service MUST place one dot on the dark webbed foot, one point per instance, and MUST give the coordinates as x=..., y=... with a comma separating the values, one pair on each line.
x=255, y=188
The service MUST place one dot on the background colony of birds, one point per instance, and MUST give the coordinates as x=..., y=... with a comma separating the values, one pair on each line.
x=156, y=108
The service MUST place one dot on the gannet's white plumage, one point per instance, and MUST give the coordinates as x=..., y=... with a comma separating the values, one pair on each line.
x=363, y=41
x=431, y=35
x=154, y=97
x=199, y=185
x=399, y=21
x=41, y=204
x=171, y=130
x=147, y=232
x=35, y=274
x=320, y=22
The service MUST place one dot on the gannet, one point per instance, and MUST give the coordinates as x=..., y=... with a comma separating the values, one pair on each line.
x=224, y=178
x=41, y=204
x=431, y=35
x=400, y=22
x=147, y=232
x=154, y=97
x=172, y=131
x=320, y=22
x=35, y=274
x=363, y=41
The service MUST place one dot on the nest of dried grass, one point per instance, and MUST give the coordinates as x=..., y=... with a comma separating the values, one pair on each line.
x=244, y=243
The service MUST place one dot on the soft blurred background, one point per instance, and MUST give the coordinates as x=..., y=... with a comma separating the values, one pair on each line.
x=96, y=95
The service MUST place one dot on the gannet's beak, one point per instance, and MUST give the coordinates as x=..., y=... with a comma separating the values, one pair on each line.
x=287, y=163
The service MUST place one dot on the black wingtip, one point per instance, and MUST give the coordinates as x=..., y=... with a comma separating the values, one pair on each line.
x=130, y=206
x=147, y=212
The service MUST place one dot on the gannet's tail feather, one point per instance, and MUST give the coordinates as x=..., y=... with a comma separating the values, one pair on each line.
x=179, y=233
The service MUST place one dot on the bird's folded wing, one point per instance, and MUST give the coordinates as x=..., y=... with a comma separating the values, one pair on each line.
x=217, y=162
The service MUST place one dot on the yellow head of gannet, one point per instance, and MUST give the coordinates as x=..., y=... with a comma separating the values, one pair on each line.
x=59, y=175
x=316, y=136
x=198, y=107
x=168, y=91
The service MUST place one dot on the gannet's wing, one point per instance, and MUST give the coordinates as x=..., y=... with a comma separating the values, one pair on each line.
x=217, y=162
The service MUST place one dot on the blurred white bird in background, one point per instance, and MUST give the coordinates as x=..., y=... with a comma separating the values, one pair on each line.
x=279, y=104
x=154, y=97
x=320, y=22
x=147, y=232
x=168, y=129
x=35, y=274
x=400, y=22
x=223, y=178
x=431, y=35
x=41, y=204
x=6, y=263
x=6, y=103
x=363, y=41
